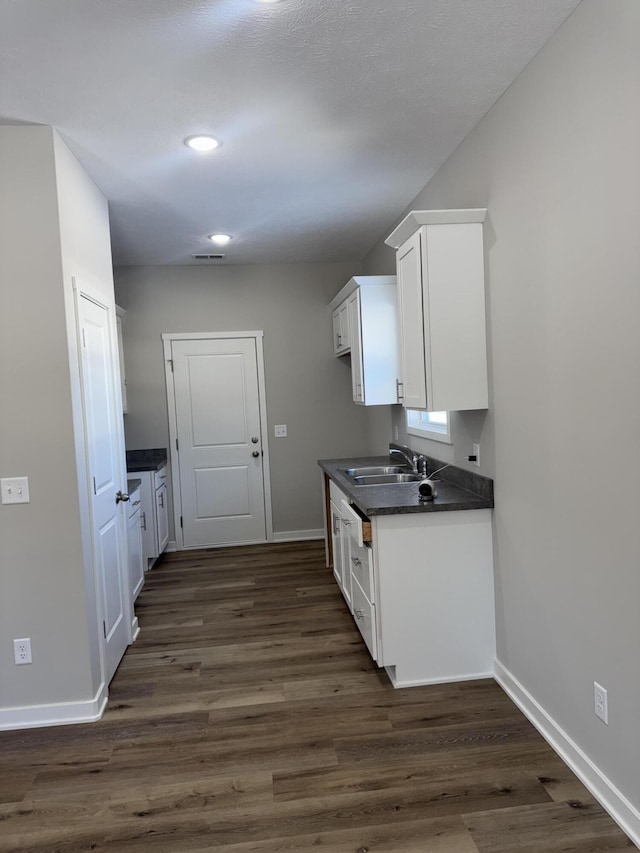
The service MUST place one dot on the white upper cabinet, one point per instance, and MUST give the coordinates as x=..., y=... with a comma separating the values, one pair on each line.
x=441, y=303
x=369, y=304
x=341, y=330
x=123, y=380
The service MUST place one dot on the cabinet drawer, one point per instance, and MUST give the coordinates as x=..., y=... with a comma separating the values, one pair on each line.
x=159, y=477
x=360, y=527
x=361, y=560
x=364, y=614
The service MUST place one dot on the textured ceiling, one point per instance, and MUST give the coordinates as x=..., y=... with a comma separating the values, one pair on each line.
x=333, y=113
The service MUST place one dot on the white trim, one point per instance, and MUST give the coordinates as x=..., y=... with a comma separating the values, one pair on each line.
x=417, y=218
x=424, y=682
x=623, y=812
x=298, y=535
x=432, y=434
x=167, y=341
x=171, y=546
x=56, y=714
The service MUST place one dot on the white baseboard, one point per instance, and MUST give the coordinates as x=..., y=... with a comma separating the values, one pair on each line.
x=623, y=812
x=57, y=714
x=425, y=682
x=297, y=535
x=171, y=546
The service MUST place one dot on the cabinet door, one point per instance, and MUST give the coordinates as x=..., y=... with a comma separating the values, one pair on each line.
x=341, y=339
x=136, y=567
x=162, y=517
x=336, y=542
x=410, y=306
x=123, y=380
x=357, y=373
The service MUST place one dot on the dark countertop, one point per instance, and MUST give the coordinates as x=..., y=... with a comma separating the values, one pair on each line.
x=146, y=460
x=460, y=491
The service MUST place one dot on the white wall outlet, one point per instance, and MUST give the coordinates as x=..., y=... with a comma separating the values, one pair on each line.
x=15, y=490
x=395, y=433
x=22, y=651
x=280, y=430
x=601, y=702
x=475, y=455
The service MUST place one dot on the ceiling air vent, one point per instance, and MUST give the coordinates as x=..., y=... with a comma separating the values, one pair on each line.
x=217, y=257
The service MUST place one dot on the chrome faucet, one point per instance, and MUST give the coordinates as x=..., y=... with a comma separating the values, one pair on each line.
x=416, y=460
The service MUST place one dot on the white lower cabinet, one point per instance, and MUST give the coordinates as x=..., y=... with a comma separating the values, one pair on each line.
x=154, y=514
x=136, y=565
x=421, y=591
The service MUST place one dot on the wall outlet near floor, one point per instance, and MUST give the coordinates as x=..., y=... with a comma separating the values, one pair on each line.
x=22, y=651
x=280, y=430
x=601, y=702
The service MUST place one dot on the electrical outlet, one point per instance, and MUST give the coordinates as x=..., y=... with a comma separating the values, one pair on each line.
x=601, y=702
x=474, y=456
x=22, y=651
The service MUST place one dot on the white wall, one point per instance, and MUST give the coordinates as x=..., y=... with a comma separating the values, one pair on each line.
x=557, y=164
x=52, y=220
x=307, y=388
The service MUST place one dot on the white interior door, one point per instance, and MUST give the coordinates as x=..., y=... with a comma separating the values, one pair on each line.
x=104, y=451
x=220, y=443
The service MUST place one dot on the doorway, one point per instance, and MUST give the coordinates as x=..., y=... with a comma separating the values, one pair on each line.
x=218, y=439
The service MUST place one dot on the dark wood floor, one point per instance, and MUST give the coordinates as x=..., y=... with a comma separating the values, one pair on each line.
x=248, y=716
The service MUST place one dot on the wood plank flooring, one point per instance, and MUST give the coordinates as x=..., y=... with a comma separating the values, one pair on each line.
x=248, y=716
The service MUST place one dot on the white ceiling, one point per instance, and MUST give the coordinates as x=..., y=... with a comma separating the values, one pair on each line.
x=333, y=114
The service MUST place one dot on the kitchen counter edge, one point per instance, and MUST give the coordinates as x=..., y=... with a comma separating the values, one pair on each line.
x=403, y=499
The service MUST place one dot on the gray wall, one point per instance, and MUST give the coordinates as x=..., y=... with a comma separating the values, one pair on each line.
x=46, y=581
x=307, y=388
x=556, y=162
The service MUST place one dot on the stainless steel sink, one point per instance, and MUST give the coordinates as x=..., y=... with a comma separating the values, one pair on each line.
x=386, y=479
x=372, y=470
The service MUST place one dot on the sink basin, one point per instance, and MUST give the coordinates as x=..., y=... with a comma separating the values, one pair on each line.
x=371, y=470
x=386, y=479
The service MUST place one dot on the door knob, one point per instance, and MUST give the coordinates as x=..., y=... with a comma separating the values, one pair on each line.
x=121, y=496
x=256, y=453
x=255, y=439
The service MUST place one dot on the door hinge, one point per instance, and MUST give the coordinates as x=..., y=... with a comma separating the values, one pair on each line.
x=104, y=628
x=84, y=340
x=176, y=443
x=170, y=360
x=180, y=521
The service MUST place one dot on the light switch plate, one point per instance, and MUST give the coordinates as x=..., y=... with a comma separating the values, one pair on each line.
x=280, y=430
x=14, y=490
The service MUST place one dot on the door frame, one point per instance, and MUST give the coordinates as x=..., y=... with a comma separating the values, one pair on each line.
x=167, y=341
x=84, y=290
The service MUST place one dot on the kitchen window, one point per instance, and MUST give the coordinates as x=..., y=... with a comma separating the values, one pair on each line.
x=433, y=425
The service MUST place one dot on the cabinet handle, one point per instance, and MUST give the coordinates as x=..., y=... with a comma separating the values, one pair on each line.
x=356, y=561
x=339, y=340
x=143, y=520
x=161, y=499
x=136, y=503
x=359, y=614
x=336, y=524
x=399, y=385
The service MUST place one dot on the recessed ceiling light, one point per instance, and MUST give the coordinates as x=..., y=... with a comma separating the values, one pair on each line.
x=202, y=143
x=220, y=239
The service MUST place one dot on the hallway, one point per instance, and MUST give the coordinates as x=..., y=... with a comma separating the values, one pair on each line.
x=248, y=716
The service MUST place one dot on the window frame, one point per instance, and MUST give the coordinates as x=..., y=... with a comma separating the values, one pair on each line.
x=418, y=426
